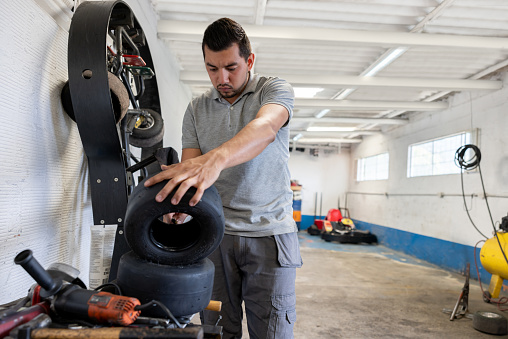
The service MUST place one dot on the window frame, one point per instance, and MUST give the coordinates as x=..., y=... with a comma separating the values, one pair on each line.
x=361, y=161
x=472, y=135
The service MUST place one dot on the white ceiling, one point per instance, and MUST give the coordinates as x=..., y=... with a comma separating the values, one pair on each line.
x=344, y=47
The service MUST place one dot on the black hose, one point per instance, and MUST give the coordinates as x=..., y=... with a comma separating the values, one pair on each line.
x=155, y=303
x=117, y=288
x=470, y=163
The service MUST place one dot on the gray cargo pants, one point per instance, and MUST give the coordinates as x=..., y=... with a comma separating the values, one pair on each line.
x=260, y=272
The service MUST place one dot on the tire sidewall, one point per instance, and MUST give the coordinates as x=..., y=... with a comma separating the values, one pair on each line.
x=184, y=290
x=205, y=231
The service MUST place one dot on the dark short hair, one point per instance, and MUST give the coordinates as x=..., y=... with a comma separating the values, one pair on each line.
x=222, y=34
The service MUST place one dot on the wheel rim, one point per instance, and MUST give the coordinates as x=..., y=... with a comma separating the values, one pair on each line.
x=148, y=122
x=490, y=315
x=175, y=237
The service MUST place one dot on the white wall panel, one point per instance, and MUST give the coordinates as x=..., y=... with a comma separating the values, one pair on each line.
x=327, y=174
x=414, y=204
x=44, y=197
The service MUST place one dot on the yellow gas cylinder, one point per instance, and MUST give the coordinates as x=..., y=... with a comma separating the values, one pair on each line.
x=494, y=262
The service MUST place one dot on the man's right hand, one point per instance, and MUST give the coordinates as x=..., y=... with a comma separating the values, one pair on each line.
x=200, y=172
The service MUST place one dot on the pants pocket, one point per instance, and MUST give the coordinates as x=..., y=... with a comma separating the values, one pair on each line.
x=282, y=317
x=288, y=250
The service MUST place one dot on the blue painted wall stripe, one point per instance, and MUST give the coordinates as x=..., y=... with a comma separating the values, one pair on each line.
x=445, y=254
x=308, y=220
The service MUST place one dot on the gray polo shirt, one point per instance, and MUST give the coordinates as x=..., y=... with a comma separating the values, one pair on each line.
x=256, y=195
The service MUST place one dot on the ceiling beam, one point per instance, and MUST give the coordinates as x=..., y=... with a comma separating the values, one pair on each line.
x=385, y=121
x=191, y=30
x=433, y=15
x=260, y=12
x=392, y=53
x=306, y=133
x=335, y=147
x=326, y=141
x=348, y=105
x=201, y=78
x=439, y=95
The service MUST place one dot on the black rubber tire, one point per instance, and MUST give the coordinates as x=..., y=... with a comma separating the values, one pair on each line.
x=486, y=297
x=326, y=237
x=184, y=290
x=490, y=322
x=67, y=102
x=180, y=244
x=351, y=237
x=313, y=230
x=119, y=98
x=149, y=133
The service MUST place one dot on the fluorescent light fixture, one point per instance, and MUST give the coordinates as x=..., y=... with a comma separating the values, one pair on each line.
x=386, y=61
x=322, y=113
x=298, y=136
x=306, y=92
x=330, y=129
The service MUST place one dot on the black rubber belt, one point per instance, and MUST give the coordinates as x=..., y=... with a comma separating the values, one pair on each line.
x=93, y=109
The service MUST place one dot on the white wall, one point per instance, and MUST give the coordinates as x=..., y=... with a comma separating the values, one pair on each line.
x=327, y=174
x=443, y=218
x=44, y=191
x=45, y=201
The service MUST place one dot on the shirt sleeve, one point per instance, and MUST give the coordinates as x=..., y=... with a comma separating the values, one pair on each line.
x=189, y=135
x=279, y=91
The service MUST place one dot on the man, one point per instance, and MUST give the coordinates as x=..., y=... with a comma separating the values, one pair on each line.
x=236, y=136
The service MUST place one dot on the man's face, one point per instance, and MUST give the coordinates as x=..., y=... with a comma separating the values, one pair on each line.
x=228, y=71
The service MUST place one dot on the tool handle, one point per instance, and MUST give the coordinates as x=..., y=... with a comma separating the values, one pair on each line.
x=11, y=321
x=36, y=271
x=214, y=305
x=118, y=333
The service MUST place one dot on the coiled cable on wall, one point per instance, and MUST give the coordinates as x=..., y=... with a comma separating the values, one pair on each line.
x=468, y=164
x=472, y=162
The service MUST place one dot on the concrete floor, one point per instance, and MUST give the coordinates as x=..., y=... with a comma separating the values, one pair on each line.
x=370, y=291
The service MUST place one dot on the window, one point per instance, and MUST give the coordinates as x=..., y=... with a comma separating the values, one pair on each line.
x=435, y=157
x=373, y=168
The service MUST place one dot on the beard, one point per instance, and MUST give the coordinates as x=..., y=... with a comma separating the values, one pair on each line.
x=232, y=92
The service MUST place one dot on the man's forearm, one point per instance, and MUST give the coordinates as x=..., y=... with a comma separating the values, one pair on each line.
x=201, y=171
x=252, y=139
x=246, y=145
